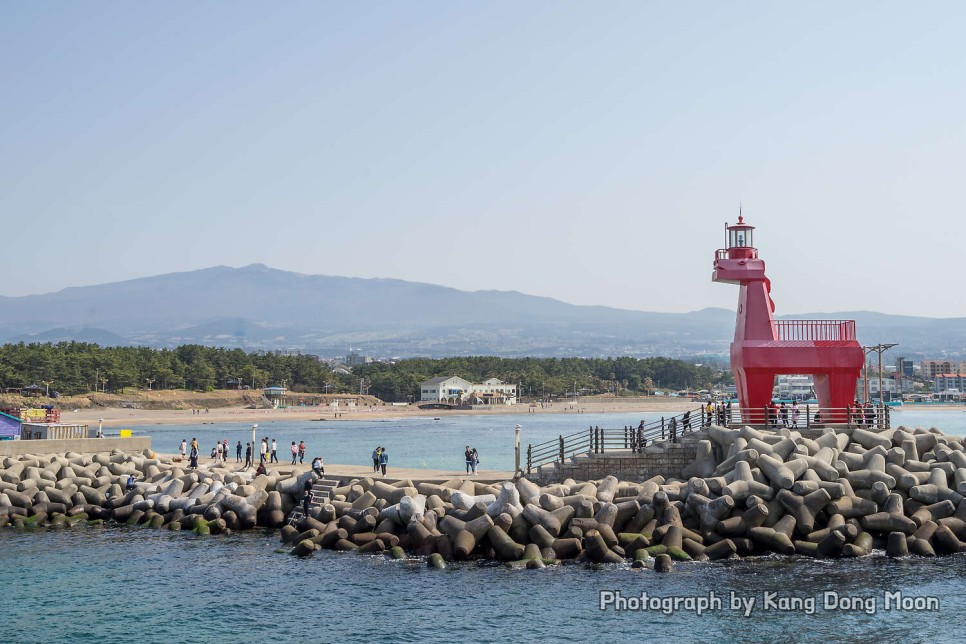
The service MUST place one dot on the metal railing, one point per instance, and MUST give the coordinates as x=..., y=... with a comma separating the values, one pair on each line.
x=597, y=440
x=804, y=330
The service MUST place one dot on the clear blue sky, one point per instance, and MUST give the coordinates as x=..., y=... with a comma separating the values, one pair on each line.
x=585, y=151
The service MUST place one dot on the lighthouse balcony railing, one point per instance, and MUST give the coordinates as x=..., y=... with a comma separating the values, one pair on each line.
x=804, y=330
x=739, y=252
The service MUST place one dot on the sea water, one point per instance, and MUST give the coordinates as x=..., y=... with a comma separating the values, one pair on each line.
x=125, y=584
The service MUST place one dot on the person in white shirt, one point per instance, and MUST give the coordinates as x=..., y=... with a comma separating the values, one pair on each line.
x=274, y=458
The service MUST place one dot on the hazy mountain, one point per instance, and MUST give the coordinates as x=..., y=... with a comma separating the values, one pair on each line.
x=257, y=307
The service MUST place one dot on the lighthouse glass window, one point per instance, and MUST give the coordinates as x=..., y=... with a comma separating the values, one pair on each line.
x=741, y=238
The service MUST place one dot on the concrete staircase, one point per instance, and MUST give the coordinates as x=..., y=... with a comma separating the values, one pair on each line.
x=321, y=494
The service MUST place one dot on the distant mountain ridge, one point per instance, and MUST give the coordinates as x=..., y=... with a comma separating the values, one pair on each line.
x=260, y=308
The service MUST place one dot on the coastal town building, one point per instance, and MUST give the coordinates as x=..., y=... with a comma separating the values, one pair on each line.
x=456, y=391
x=950, y=383
x=933, y=368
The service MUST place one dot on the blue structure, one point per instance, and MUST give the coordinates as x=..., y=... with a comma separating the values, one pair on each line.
x=9, y=427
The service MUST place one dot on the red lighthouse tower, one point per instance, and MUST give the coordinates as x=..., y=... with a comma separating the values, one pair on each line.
x=764, y=347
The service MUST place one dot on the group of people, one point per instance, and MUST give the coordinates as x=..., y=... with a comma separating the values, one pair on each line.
x=298, y=452
x=190, y=451
x=380, y=459
x=784, y=415
x=472, y=459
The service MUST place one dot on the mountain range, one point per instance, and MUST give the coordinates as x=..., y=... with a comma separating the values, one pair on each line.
x=260, y=308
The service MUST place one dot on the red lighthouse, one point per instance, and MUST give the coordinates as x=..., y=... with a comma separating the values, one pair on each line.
x=764, y=347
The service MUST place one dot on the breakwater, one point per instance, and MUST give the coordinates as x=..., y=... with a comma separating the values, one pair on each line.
x=834, y=494
x=837, y=494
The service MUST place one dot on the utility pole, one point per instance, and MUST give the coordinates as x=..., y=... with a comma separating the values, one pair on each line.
x=879, y=349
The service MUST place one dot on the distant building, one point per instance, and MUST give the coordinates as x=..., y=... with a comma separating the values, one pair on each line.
x=948, y=382
x=354, y=359
x=795, y=387
x=455, y=390
x=933, y=368
x=904, y=366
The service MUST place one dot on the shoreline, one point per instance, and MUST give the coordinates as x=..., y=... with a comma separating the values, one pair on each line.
x=117, y=416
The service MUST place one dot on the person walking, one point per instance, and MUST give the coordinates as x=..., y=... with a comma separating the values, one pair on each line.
x=184, y=449
x=383, y=460
x=224, y=450
x=295, y=452
x=262, y=451
x=301, y=452
x=248, y=455
x=469, y=459
x=375, y=459
x=307, y=498
x=795, y=413
x=238, y=450
x=475, y=460
x=194, y=454
x=274, y=458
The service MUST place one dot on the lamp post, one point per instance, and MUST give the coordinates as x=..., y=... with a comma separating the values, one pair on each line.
x=100, y=428
x=879, y=349
x=517, y=449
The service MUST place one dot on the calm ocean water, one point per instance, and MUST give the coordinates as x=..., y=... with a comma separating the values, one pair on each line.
x=123, y=585
x=127, y=585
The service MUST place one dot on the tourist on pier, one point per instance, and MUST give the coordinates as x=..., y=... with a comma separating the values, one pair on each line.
x=194, y=443
x=224, y=450
x=375, y=459
x=318, y=466
x=795, y=413
x=869, y=414
x=217, y=451
x=248, y=455
x=468, y=454
x=686, y=421
x=475, y=460
x=262, y=451
x=728, y=412
x=295, y=452
x=301, y=452
x=383, y=460
x=238, y=450
x=783, y=412
x=274, y=458
x=194, y=454
x=183, y=449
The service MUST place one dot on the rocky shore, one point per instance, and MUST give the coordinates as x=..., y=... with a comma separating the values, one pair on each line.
x=749, y=492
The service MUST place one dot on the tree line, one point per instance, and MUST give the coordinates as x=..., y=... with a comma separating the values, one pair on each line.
x=80, y=367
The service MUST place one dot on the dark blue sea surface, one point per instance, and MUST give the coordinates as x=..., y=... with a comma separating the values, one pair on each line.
x=120, y=584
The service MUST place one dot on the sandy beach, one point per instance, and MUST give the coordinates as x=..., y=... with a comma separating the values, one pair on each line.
x=115, y=417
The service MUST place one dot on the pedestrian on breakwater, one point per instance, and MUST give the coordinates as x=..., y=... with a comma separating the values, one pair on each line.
x=183, y=449
x=194, y=454
x=216, y=452
x=261, y=470
x=383, y=460
x=262, y=451
x=469, y=459
x=295, y=452
x=783, y=411
x=307, y=498
x=375, y=459
x=248, y=455
x=318, y=466
x=475, y=460
x=301, y=452
x=686, y=421
x=795, y=414
x=224, y=450
x=238, y=450
x=274, y=458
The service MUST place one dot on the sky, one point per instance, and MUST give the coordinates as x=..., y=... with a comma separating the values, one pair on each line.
x=589, y=152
